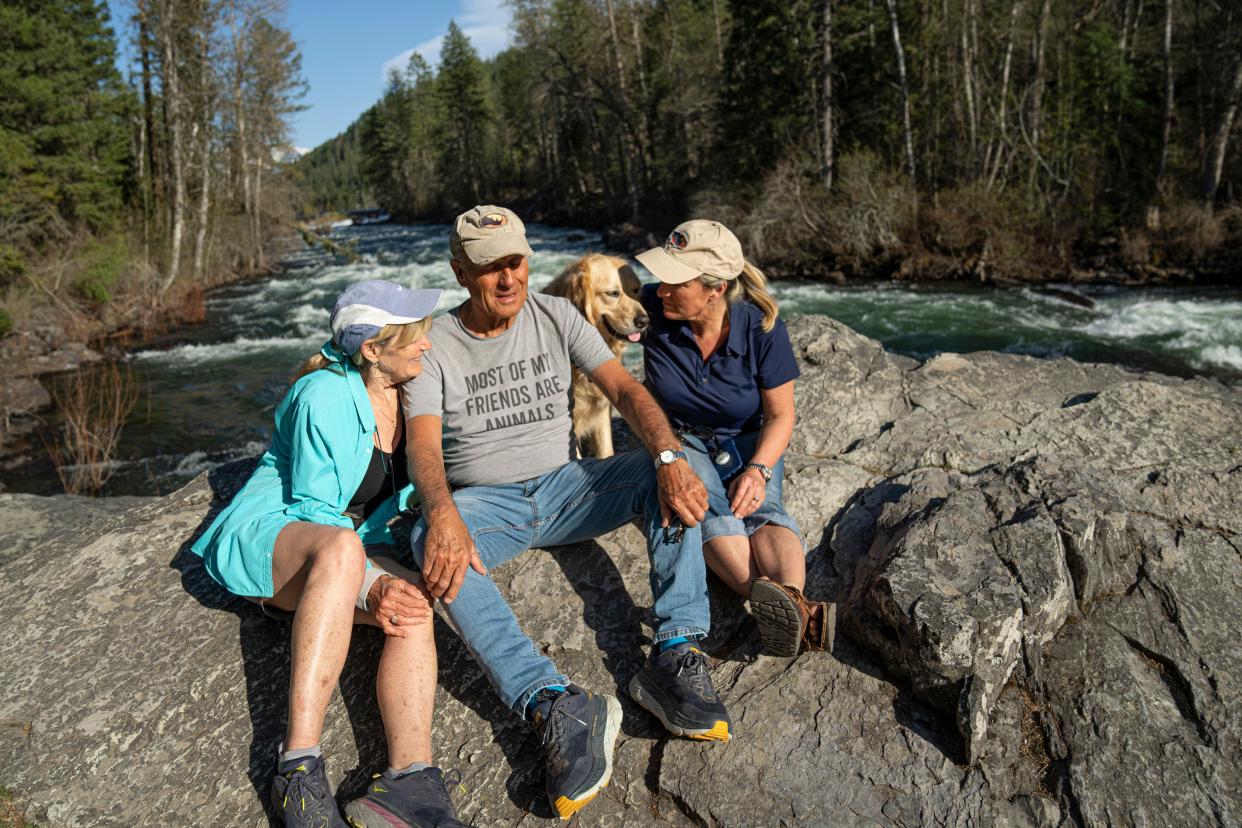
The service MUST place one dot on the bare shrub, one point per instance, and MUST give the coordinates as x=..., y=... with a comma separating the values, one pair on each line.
x=790, y=223
x=870, y=210
x=1135, y=248
x=94, y=405
x=1192, y=232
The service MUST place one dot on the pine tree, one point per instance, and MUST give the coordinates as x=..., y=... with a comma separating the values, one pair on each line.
x=64, y=154
x=461, y=86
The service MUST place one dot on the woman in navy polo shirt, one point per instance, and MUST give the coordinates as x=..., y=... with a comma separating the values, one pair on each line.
x=721, y=365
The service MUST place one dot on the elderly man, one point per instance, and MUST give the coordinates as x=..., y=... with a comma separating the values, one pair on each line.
x=492, y=455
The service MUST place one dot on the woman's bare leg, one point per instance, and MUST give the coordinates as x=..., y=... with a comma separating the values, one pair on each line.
x=317, y=571
x=778, y=555
x=730, y=558
x=406, y=686
x=772, y=551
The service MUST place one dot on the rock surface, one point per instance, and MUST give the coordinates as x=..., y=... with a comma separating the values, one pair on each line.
x=1038, y=564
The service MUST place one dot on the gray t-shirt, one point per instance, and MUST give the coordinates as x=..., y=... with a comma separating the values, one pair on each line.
x=504, y=402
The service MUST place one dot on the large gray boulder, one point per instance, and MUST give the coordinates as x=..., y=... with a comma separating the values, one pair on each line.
x=1037, y=563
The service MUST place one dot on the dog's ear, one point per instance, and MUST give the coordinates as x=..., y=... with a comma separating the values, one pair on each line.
x=578, y=291
x=630, y=282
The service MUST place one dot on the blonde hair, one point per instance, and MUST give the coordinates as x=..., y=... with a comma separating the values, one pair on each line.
x=390, y=336
x=752, y=286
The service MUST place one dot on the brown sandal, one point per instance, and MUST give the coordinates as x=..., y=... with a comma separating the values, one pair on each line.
x=787, y=621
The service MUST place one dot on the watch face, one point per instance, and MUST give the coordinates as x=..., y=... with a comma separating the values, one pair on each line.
x=667, y=456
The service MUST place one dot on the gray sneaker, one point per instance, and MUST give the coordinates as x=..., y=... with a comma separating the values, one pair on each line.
x=304, y=798
x=578, y=733
x=673, y=685
x=420, y=800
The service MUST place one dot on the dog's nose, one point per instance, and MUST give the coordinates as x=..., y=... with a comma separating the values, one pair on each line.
x=641, y=322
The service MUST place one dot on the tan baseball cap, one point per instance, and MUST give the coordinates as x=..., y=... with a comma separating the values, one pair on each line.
x=488, y=233
x=695, y=248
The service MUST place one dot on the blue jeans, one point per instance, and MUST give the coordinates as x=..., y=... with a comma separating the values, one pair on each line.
x=578, y=501
x=720, y=520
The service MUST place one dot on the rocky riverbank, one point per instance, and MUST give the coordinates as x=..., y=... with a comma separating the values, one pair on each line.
x=1037, y=563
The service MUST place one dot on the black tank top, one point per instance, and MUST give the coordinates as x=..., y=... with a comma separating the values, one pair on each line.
x=383, y=478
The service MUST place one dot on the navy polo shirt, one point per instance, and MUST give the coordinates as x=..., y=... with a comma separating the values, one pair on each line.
x=723, y=391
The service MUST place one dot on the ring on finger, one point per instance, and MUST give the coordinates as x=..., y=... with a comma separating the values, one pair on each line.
x=393, y=618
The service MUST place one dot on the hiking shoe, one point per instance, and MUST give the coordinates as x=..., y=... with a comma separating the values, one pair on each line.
x=675, y=688
x=578, y=732
x=304, y=798
x=787, y=621
x=419, y=800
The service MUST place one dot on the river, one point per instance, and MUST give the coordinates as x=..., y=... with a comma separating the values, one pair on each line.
x=209, y=391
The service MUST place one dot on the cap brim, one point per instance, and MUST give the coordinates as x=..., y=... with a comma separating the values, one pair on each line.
x=665, y=268
x=486, y=251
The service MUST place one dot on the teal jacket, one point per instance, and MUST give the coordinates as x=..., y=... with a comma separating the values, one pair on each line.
x=318, y=456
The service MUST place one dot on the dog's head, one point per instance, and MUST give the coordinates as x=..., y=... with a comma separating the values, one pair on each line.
x=605, y=289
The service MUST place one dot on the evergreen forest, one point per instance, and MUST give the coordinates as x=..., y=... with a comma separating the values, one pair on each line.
x=124, y=194
x=998, y=140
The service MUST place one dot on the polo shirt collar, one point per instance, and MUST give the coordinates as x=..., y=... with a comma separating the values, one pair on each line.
x=739, y=328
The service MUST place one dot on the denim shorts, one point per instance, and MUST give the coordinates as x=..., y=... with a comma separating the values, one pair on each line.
x=720, y=520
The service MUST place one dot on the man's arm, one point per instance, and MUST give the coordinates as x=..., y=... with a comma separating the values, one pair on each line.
x=681, y=492
x=447, y=549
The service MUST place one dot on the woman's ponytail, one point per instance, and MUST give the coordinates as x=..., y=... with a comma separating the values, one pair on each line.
x=752, y=286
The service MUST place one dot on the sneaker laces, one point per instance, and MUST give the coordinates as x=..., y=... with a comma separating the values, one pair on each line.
x=301, y=787
x=693, y=664
x=552, y=739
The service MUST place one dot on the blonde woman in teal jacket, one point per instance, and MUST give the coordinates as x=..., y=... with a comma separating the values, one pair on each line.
x=296, y=538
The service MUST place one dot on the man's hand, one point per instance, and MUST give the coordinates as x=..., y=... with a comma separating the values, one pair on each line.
x=397, y=605
x=447, y=551
x=681, y=493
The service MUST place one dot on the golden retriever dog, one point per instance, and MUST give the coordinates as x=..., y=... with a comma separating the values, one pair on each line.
x=605, y=289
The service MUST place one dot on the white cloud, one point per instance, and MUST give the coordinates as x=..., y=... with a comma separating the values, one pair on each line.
x=485, y=22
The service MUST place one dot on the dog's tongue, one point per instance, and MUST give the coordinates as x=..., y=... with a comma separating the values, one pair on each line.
x=634, y=337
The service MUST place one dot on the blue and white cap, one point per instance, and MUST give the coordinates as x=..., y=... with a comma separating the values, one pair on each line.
x=364, y=308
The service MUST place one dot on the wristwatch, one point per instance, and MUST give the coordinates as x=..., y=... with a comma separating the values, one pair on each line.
x=764, y=470
x=669, y=456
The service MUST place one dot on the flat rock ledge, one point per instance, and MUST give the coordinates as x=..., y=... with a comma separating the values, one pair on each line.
x=1038, y=564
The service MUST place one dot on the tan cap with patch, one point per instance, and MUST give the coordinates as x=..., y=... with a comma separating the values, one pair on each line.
x=695, y=248
x=488, y=233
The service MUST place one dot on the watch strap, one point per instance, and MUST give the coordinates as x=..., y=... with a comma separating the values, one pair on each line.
x=766, y=471
x=678, y=454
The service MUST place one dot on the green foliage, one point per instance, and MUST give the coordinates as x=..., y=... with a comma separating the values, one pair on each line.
x=104, y=264
x=466, y=129
x=1030, y=123
x=63, y=142
x=330, y=176
x=769, y=100
x=6, y=323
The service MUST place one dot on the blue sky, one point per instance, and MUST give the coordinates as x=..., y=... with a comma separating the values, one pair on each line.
x=347, y=48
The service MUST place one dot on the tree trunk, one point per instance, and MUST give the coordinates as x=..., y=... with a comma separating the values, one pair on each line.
x=1216, y=158
x=176, y=155
x=1002, y=117
x=1041, y=72
x=1167, y=132
x=907, y=130
x=255, y=229
x=148, y=108
x=719, y=34
x=970, y=47
x=827, y=160
x=629, y=161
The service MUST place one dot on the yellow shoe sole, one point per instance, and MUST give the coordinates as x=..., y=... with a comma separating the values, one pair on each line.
x=718, y=733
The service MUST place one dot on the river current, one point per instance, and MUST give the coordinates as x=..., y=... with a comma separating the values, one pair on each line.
x=209, y=391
